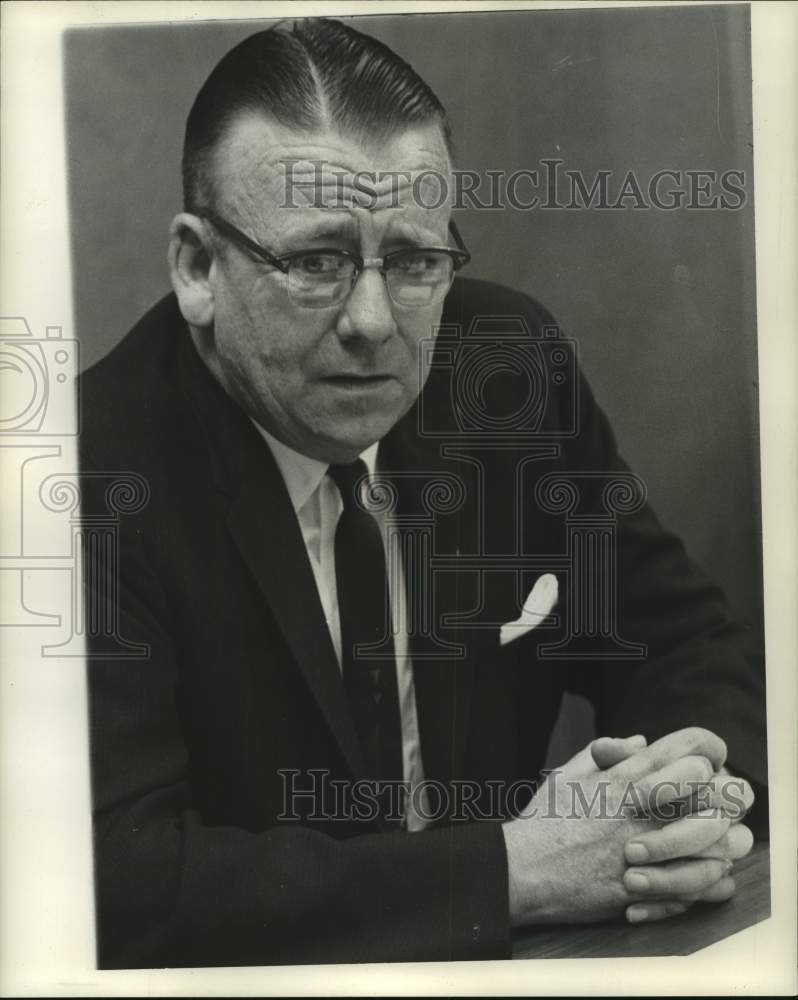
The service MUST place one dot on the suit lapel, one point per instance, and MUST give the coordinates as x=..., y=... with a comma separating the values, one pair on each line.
x=264, y=527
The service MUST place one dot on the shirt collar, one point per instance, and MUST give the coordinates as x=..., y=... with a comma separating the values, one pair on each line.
x=301, y=474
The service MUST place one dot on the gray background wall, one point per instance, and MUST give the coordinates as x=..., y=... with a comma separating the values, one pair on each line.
x=662, y=303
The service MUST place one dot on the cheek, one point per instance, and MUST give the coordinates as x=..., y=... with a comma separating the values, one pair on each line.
x=266, y=344
x=419, y=336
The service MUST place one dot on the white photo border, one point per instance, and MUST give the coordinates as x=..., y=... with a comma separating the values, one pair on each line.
x=46, y=915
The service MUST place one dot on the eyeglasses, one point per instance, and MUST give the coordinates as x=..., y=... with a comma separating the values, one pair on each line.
x=316, y=279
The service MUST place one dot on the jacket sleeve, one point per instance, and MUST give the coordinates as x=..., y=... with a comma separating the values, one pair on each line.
x=173, y=890
x=701, y=667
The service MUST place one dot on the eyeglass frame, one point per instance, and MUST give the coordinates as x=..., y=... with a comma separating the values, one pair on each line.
x=459, y=255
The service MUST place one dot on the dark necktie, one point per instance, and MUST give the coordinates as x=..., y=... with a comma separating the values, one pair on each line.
x=370, y=683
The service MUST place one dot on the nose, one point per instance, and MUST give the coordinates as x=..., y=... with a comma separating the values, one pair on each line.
x=367, y=312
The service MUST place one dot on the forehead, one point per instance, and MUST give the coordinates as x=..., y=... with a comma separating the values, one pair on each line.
x=296, y=179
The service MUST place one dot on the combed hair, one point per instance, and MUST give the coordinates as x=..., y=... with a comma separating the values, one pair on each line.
x=307, y=74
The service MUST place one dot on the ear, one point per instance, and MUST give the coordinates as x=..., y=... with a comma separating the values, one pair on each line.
x=190, y=269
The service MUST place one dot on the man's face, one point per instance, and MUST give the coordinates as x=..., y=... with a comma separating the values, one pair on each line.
x=331, y=381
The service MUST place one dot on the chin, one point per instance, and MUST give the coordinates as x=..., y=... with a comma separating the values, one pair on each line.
x=361, y=429
x=346, y=447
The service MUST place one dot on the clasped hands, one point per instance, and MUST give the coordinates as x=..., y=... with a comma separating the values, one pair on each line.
x=626, y=828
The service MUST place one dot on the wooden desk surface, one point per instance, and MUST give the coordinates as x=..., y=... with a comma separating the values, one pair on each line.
x=702, y=925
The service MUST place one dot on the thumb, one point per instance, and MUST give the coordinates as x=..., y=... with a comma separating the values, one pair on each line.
x=579, y=765
x=607, y=751
x=601, y=754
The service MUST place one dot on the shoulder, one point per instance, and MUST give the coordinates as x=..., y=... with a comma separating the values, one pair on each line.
x=127, y=395
x=140, y=353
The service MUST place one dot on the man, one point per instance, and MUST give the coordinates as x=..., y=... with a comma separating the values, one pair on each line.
x=245, y=768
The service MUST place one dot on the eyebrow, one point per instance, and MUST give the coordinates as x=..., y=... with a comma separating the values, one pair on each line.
x=344, y=228
x=340, y=228
x=403, y=229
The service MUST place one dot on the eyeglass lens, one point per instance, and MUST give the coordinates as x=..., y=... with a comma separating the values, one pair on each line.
x=414, y=279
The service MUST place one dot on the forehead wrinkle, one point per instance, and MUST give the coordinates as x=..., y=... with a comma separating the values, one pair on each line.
x=340, y=155
x=255, y=136
x=253, y=192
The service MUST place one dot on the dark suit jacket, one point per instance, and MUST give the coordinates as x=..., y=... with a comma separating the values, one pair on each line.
x=193, y=864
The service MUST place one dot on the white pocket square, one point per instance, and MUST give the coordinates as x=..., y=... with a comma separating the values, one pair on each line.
x=537, y=606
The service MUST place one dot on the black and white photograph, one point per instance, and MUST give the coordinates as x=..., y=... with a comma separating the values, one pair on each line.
x=390, y=556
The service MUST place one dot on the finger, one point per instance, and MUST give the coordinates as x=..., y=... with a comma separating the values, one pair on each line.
x=675, y=878
x=682, y=838
x=732, y=845
x=733, y=795
x=718, y=893
x=655, y=909
x=608, y=751
x=678, y=780
x=684, y=742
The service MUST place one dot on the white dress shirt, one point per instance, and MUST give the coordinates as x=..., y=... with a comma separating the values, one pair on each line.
x=318, y=505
